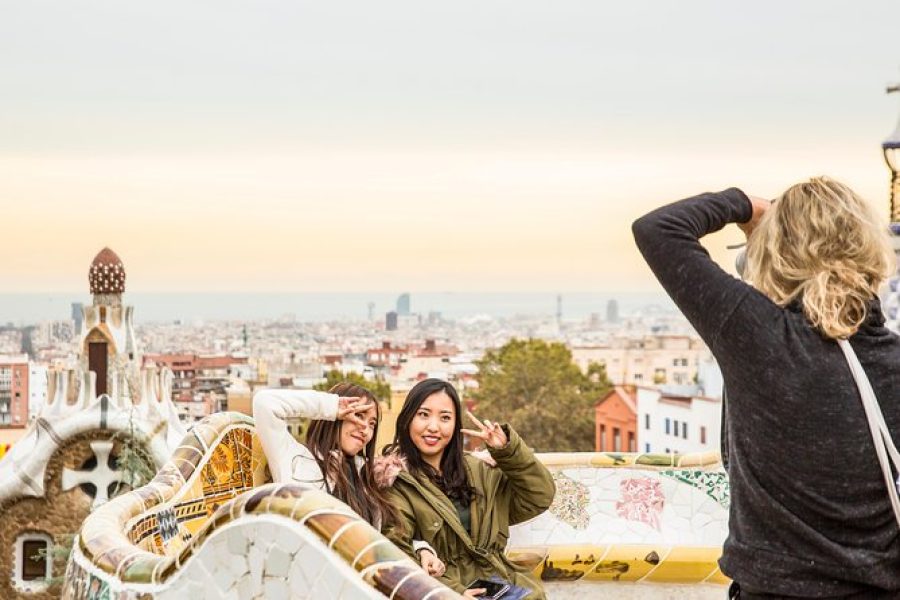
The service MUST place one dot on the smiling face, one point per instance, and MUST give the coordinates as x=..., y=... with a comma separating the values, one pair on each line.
x=354, y=436
x=432, y=427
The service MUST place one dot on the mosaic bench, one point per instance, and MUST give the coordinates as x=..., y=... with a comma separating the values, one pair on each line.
x=212, y=525
x=622, y=518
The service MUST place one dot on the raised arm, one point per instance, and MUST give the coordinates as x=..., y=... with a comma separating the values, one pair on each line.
x=669, y=238
x=527, y=481
x=272, y=408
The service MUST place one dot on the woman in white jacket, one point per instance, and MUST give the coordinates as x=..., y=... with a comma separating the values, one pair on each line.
x=339, y=455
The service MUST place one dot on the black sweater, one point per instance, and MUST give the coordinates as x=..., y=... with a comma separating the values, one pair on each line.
x=810, y=515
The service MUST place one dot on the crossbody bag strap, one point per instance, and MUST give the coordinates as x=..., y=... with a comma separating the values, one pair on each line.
x=885, y=448
x=870, y=401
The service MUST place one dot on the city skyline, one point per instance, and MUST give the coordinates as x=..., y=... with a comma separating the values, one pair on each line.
x=30, y=308
x=480, y=148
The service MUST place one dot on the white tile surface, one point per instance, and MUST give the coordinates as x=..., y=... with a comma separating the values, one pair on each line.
x=276, y=588
x=278, y=563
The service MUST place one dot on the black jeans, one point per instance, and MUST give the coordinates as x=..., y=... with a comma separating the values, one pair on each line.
x=735, y=593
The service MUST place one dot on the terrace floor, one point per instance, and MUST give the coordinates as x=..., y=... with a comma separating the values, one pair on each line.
x=635, y=591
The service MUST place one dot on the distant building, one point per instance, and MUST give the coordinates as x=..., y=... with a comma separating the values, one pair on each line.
x=390, y=321
x=332, y=360
x=615, y=421
x=37, y=388
x=77, y=316
x=52, y=333
x=403, y=305
x=386, y=360
x=200, y=382
x=645, y=419
x=14, y=398
x=669, y=423
x=430, y=360
x=612, y=311
x=409, y=322
x=647, y=360
x=710, y=382
x=240, y=397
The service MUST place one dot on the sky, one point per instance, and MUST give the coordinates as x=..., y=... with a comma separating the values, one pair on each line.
x=494, y=146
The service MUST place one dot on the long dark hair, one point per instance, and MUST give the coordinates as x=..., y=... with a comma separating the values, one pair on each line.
x=362, y=495
x=452, y=479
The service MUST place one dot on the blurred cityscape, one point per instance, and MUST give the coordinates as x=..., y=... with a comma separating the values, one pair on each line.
x=218, y=364
x=92, y=403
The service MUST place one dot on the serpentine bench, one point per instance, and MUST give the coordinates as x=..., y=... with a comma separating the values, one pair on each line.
x=212, y=525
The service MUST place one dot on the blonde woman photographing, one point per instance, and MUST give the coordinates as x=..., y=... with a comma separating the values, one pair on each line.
x=810, y=513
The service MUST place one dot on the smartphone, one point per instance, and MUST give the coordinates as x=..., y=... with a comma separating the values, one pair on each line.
x=494, y=590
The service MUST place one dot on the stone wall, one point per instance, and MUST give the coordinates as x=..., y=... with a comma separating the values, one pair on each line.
x=59, y=514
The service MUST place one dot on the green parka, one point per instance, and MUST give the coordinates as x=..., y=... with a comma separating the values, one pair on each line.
x=517, y=489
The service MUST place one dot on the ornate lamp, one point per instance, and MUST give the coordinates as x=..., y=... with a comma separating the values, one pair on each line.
x=891, y=149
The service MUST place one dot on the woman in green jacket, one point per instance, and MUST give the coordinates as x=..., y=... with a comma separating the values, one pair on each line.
x=459, y=504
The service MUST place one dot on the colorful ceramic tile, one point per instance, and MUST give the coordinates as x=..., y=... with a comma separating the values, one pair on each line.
x=571, y=501
x=642, y=501
x=713, y=483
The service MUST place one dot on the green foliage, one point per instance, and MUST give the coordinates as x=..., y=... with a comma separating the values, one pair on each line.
x=134, y=460
x=135, y=463
x=58, y=557
x=380, y=388
x=534, y=386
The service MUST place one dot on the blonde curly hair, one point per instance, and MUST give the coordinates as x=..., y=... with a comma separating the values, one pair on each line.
x=824, y=245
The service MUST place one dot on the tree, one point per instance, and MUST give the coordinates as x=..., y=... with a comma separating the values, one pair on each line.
x=534, y=386
x=380, y=388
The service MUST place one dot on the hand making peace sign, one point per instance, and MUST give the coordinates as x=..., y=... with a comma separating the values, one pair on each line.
x=348, y=406
x=492, y=434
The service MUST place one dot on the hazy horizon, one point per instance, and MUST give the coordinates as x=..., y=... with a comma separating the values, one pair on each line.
x=30, y=308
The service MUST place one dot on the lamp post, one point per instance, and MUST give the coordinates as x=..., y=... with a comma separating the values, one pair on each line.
x=891, y=149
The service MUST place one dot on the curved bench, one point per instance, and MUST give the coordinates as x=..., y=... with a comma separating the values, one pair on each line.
x=209, y=525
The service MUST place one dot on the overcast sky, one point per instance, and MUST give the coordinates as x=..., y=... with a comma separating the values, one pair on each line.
x=472, y=146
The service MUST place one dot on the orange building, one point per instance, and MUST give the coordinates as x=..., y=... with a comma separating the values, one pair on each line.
x=615, y=420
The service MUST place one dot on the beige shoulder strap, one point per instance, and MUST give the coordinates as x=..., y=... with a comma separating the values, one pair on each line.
x=884, y=445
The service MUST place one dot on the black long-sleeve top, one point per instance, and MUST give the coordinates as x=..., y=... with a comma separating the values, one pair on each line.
x=810, y=514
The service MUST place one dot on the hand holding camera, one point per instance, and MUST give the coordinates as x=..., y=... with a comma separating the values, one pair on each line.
x=760, y=206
